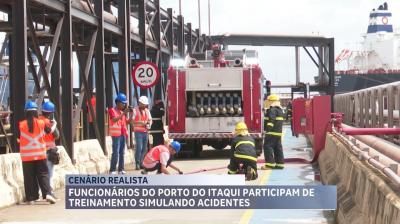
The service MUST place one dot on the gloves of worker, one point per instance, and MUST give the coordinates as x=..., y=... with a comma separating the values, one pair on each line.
x=47, y=129
x=53, y=125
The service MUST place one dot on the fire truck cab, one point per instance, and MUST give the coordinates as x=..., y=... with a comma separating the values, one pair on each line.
x=209, y=94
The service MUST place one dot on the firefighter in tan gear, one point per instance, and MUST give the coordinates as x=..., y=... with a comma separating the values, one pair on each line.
x=243, y=152
x=273, y=121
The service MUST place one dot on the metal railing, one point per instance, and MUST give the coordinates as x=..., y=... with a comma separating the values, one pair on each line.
x=372, y=107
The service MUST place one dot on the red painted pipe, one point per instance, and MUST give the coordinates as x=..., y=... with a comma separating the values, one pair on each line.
x=386, y=148
x=371, y=131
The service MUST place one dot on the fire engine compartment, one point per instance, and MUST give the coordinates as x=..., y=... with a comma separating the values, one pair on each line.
x=213, y=111
x=214, y=103
x=206, y=101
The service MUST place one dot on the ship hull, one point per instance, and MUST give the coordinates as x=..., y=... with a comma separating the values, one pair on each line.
x=348, y=83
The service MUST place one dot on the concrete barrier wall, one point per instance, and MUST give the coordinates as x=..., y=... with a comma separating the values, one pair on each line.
x=364, y=194
x=89, y=158
x=129, y=153
x=11, y=179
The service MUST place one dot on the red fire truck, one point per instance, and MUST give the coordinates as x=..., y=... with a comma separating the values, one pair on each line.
x=206, y=98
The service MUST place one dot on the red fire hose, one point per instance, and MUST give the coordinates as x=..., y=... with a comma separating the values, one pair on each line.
x=288, y=160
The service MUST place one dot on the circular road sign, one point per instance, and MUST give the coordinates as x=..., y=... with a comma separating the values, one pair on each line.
x=145, y=74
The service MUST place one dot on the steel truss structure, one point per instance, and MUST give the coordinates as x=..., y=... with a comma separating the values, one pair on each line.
x=323, y=49
x=101, y=34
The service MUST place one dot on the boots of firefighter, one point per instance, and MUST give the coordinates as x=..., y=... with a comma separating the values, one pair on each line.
x=232, y=171
x=278, y=155
x=268, y=166
x=251, y=174
x=242, y=169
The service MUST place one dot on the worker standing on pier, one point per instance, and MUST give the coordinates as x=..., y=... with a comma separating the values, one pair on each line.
x=91, y=132
x=141, y=121
x=33, y=155
x=118, y=132
x=157, y=128
x=273, y=122
x=53, y=158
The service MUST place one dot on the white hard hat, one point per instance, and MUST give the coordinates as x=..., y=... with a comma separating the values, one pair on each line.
x=94, y=90
x=144, y=100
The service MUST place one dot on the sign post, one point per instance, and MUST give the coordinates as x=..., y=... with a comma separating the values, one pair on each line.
x=145, y=74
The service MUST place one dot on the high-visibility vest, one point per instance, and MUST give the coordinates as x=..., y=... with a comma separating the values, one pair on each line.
x=48, y=138
x=115, y=128
x=93, y=102
x=154, y=154
x=31, y=145
x=140, y=115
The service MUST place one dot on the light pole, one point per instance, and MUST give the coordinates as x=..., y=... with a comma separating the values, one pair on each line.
x=180, y=7
x=198, y=4
x=209, y=19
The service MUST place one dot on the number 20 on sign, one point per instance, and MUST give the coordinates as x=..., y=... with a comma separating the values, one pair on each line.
x=145, y=74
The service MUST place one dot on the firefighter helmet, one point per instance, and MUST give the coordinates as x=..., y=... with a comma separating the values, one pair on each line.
x=241, y=128
x=273, y=97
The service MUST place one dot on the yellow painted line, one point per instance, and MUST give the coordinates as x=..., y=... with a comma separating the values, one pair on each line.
x=250, y=212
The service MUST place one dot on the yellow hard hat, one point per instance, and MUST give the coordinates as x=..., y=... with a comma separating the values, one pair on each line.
x=241, y=128
x=273, y=97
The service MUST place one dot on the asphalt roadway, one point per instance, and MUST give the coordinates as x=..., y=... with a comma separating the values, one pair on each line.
x=298, y=174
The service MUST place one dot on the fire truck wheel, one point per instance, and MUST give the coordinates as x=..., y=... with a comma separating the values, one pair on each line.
x=193, y=147
x=197, y=148
x=219, y=145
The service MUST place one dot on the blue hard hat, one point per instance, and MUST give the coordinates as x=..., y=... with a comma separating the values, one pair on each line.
x=48, y=107
x=121, y=98
x=176, y=145
x=30, y=106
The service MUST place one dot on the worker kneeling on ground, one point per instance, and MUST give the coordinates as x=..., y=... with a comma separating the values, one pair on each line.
x=160, y=157
x=273, y=153
x=243, y=152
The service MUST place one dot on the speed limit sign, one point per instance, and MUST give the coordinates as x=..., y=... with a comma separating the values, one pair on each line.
x=145, y=74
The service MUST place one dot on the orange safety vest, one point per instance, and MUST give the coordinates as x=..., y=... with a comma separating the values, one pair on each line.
x=48, y=138
x=154, y=154
x=31, y=145
x=115, y=128
x=93, y=102
x=143, y=117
